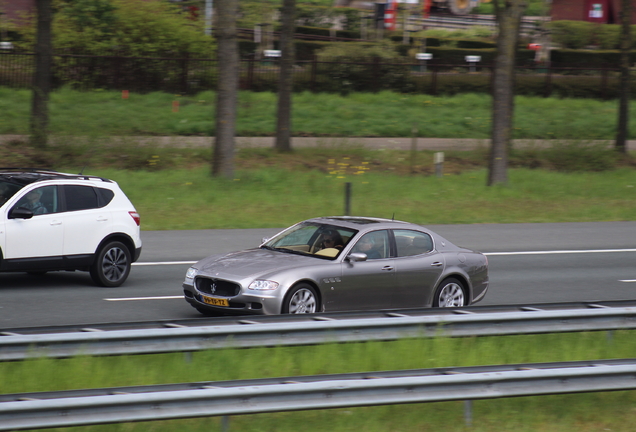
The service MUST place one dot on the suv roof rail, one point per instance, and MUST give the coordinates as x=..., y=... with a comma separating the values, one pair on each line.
x=53, y=173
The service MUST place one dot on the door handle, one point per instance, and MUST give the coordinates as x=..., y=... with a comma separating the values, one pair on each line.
x=56, y=222
x=102, y=219
x=436, y=264
x=387, y=268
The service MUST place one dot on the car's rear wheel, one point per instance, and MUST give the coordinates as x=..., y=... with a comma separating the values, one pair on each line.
x=450, y=293
x=300, y=299
x=112, y=265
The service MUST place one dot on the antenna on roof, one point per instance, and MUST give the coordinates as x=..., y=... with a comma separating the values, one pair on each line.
x=393, y=217
x=82, y=171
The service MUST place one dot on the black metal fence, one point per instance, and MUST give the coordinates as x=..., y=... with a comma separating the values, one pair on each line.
x=190, y=76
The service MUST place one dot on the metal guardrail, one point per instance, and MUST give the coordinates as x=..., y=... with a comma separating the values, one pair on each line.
x=120, y=405
x=289, y=330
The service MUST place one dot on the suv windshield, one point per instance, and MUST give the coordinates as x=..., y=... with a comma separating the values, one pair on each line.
x=7, y=190
x=315, y=239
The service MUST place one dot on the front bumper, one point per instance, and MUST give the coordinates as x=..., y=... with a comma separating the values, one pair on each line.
x=244, y=303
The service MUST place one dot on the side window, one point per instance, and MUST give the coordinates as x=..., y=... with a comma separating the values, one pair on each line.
x=41, y=200
x=105, y=196
x=374, y=244
x=412, y=242
x=80, y=198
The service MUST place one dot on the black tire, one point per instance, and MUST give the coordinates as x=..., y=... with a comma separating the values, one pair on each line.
x=450, y=293
x=301, y=299
x=112, y=265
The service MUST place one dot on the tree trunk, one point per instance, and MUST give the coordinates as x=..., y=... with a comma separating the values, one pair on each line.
x=42, y=78
x=623, y=105
x=227, y=88
x=285, y=80
x=509, y=14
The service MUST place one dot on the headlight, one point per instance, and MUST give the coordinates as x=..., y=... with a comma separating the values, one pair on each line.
x=191, y=273
x=263, y=285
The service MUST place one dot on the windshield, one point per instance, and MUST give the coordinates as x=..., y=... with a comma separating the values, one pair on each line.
x=7, y=190
x=315, y=239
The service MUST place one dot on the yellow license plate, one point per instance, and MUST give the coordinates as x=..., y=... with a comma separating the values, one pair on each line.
x=215, y=301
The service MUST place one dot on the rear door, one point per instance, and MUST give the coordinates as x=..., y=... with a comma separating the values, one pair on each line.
x=86, y=223
x=418, y=267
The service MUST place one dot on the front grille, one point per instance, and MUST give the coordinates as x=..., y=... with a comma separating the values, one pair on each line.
x=217, y=287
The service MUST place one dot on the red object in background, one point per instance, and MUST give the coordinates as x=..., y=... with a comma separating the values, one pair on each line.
x=426, y=12
x=175, y=106
x=390, y=15
x=124, y=94
x=534, y=46
x=194, y=12
x=597, y=11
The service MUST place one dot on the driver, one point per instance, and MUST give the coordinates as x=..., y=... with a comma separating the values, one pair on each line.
x=331, y=239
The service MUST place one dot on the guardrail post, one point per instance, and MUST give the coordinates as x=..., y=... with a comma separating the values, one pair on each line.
x=347, y=199
x=468, y=413
x=225, y=423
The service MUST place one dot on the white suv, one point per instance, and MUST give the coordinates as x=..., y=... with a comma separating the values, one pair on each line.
x=58, y=221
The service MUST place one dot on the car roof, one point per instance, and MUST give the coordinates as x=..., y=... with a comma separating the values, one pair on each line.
x=25, y=176
x=361, y=222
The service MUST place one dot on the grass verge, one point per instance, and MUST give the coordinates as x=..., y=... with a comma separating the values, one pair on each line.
x=587, y=412
x=383, y=114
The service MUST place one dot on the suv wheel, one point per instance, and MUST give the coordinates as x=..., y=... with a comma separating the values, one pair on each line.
x=112, y=265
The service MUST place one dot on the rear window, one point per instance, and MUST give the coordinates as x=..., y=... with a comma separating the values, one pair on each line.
x=105, y=196
x=80, y=197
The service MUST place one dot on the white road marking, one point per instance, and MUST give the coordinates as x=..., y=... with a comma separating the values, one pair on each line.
x=559, y=252
x=144, y=298
x=555, y=252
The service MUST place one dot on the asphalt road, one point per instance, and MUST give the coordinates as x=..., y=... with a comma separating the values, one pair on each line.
x=529, y=263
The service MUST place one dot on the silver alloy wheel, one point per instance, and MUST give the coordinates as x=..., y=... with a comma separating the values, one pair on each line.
x=451, y=295
x=302, y=301
x=114, y=264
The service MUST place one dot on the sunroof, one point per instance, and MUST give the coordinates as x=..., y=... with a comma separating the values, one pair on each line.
x=361, y=221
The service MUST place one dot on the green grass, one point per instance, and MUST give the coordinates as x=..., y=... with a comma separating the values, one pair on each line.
x=589, y=412
x=271, y=197
x=104, y=113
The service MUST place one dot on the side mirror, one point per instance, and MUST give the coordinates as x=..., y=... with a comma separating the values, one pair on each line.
x=20, y=213
x=357, y=256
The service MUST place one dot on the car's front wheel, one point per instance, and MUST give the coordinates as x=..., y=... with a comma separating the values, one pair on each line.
x=300, y=299
x=112, y=265
x=450, y=293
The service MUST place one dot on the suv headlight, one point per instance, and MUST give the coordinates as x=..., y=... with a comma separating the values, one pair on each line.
x=263, y=285
x=191, y=273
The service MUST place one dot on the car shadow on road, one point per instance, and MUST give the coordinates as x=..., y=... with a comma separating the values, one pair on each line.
x=55, y=279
